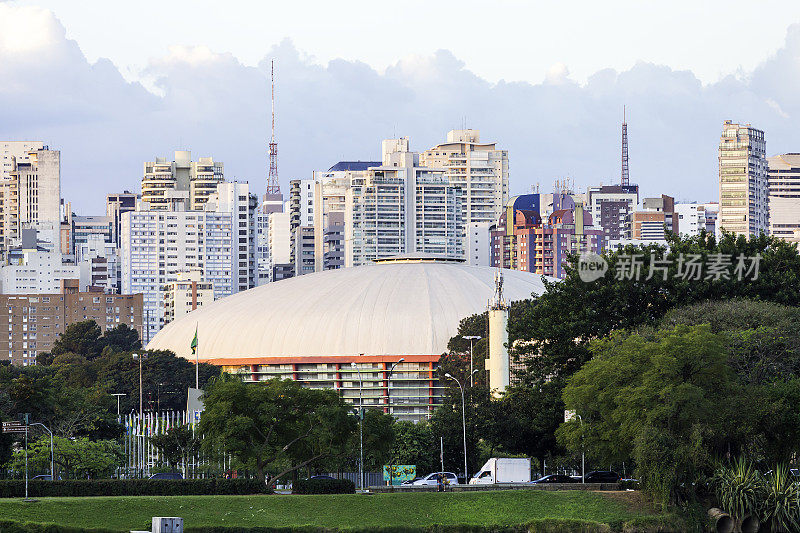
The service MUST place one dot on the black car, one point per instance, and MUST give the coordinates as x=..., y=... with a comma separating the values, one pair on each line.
x=167, y=475
x=555, y=478
x=321, y=476
x=602, y=476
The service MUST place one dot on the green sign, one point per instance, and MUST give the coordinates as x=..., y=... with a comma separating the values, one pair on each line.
x=396, y=474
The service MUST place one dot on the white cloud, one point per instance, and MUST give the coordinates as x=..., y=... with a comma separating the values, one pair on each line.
x=213, y=104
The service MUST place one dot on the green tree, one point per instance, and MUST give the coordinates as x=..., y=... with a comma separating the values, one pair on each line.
x=415, y=444
x=664, y=398
x=74, y=458
x=82, y=338
x=276, y=422
x=121, y=339
x=177, y=445
x=572, y=313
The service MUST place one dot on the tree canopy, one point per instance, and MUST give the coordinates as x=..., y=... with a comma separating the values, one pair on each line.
x=276, y=423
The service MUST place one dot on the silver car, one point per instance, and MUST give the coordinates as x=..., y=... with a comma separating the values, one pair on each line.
x=448, y=478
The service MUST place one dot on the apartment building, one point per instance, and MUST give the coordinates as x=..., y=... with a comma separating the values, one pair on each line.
x=30, y=197
x=157, y=245
x=185, y=294
x=611, y=207
x=116, y=205
x=480, y=169
x=784, y=196
x=35, y=321
x=743, y=184
x=401, y=207
x=198, y=178
x=649, y=226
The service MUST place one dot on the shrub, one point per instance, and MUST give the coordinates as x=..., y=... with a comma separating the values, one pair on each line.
x=781, y=501
x=738, y=488
x=29, y=527
x=324, y=486
x=132, y=487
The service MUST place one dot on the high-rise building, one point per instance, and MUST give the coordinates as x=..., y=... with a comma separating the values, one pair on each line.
x=666, y=205
x=524, y=241
x=479, y=169
x=611, y=207
x=31, y=197
x=116, y=205
x=31, y=268
x=743, y=185
x=36, y=320
x=649, y=225
x=401, y=207
x=279, y=239
x=691, y=219
x=185, y=294
x=157, y=245
x=477, y=244
x=330, y=197
x=784, y=196
x=198, y=178
x=13, y=152
x=301, y=225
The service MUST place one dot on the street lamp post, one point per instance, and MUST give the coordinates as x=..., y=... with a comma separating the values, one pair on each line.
x=141, y=356
x=118, y=395
x=52, y=472
x=389, y=408
x=463, y=424
x=360, y=426
x=389, y=384
x=471, y=338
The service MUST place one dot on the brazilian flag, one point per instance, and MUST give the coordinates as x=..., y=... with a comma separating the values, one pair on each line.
x=194, y=342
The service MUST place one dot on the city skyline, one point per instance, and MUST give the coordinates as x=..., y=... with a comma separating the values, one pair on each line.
x=212, y=102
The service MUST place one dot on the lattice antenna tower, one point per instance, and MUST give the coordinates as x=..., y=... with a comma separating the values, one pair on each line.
x=626, y=178
x=273, y=185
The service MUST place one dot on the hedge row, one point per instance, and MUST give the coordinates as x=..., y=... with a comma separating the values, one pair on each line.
x=324, y=486
x=131, y=487
x=665, y=524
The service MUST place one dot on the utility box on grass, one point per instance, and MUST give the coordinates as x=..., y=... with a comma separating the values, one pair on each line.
x=167, y=524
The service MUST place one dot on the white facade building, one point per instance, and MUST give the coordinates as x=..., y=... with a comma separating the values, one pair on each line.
x=743, y=186
x=691, y=219
x=37, y=272
x=12, y=152
x=478, y=243
x=402, y=208
x=187, y=293
x=156, y=245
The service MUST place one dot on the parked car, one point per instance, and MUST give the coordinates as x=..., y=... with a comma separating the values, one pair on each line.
x=167, y=475
x=322, y=476
x=448, y=478
x=555, y=478
x=602, y=476
x=411, y=481
x=45, y=477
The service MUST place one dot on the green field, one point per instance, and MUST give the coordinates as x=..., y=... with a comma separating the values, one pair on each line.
x=334, y=511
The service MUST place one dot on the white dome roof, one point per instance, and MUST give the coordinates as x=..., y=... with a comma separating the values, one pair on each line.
x=392, y=308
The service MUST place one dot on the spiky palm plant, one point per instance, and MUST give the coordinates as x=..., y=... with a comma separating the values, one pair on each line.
x=781, y=501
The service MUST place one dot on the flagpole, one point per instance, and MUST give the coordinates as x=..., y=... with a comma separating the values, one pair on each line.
x=196, y=361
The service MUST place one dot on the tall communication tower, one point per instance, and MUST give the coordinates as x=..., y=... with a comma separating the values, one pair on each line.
x=273, y=185
x=626, y=178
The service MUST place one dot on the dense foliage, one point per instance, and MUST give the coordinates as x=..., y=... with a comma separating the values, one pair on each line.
x=323, y=486
x=276, y=423
x=131, y=487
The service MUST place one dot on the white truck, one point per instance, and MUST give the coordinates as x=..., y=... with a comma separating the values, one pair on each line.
x=503, y=470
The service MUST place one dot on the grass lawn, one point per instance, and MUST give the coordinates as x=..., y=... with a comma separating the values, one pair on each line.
x=335, y=511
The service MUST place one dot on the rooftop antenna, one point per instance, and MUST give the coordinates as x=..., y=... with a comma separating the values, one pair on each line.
x=273, y=185
x=626, y=178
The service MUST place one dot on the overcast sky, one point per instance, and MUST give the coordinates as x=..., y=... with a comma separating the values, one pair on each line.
x=113, y=84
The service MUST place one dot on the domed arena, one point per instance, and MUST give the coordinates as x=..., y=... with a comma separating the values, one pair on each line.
x=345, y=329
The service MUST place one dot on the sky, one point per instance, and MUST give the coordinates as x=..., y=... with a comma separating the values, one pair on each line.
x=114, y=84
